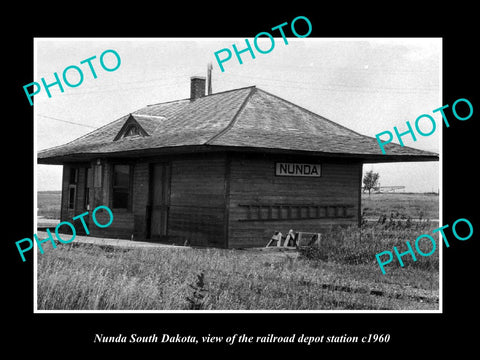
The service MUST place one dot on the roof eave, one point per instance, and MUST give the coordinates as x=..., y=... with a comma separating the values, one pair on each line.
x=364, y=158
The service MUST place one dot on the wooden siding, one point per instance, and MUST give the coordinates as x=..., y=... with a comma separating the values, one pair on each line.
x=197, y=201
x=222, y=200
x=121, y=227
x=261, y=203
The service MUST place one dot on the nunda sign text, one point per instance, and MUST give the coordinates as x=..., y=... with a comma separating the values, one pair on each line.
x=294, y=169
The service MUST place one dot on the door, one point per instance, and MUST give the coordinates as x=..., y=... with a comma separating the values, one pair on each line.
x=160, y=198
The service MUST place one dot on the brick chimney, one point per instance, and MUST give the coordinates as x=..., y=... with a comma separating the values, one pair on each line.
x=197, y=87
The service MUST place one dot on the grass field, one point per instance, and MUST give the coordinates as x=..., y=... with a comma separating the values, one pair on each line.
x=48, y=204
x=342, y=275
x=413, y=205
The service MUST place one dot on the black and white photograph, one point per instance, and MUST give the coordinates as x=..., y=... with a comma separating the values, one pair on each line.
x=222, y=180
x=261, y=187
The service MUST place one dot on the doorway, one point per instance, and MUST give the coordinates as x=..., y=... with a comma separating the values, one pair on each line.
x=159, y=200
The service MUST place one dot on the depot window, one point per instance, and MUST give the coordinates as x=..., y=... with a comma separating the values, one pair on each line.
x=121, y=193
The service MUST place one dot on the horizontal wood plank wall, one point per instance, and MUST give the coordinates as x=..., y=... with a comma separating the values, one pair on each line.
x=121, y=227
x=197, y=201
x=253, y=181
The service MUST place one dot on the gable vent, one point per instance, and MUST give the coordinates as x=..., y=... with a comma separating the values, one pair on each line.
x=130, y=128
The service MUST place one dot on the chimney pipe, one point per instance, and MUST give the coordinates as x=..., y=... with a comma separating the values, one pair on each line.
x=197, y=87
x=209, y=78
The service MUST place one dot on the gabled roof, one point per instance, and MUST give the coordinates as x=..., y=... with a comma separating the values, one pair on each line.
x=245, y=119
x=135, y=122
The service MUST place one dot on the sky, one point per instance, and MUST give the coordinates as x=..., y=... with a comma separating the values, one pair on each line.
x=368, y=85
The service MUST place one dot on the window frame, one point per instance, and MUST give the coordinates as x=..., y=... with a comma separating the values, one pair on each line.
x=114, y=188
x=72, y=186
x=72, y=204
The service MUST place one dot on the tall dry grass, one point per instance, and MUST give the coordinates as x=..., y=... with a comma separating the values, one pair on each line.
x=342, y=275
x=354, y=246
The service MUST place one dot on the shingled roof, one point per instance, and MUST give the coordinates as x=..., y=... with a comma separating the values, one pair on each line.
x=245, y=119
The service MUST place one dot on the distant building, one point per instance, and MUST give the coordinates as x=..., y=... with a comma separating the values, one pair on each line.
x=226, y=170
x=386, y=189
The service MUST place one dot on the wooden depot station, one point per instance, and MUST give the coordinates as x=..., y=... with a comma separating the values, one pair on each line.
x=226, y=170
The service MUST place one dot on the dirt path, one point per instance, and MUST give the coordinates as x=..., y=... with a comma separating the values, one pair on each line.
x=109, y=242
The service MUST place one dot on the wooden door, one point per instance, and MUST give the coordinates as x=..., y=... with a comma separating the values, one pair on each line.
x=160, y=199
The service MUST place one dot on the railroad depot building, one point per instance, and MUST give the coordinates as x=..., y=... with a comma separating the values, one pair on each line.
x=226, y=169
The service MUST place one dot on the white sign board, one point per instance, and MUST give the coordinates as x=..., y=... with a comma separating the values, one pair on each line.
x=296, y=169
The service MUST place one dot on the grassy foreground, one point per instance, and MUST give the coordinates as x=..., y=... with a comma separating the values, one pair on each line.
x=342, y=275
